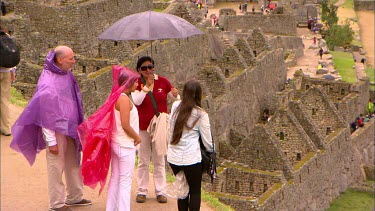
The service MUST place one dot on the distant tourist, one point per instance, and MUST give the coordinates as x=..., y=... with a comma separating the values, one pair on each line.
x=309, y=23
x=363, y=60
x=314, y=40
x=253, y=9
x=321, y=53
x=215, y=20
x=359, y=121
x=3, y=9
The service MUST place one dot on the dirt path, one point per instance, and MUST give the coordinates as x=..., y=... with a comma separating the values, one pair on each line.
x=24, y=188
x=366, y=24
x=310, y=60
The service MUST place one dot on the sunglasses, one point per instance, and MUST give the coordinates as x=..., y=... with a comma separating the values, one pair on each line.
x=150, y=67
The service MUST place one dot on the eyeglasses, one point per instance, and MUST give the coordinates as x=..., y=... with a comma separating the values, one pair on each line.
x=150, y=67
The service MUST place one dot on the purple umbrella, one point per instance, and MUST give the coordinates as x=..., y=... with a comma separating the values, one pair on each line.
x=150, y=25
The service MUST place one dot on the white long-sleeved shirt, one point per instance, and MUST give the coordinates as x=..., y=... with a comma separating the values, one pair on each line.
x=187, y=151
x=50, y=136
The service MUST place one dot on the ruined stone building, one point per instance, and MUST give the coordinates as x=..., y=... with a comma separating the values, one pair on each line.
x=301, y=159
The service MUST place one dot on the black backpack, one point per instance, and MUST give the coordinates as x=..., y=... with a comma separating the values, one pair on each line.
x=9, y=52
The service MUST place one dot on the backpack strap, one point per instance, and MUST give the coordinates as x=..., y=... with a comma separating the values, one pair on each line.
x=153, y=101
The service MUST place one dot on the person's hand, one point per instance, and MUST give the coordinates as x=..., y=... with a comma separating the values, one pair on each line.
x=137, y=141
x=174, y=92
x=54, y=149
x=12, y=76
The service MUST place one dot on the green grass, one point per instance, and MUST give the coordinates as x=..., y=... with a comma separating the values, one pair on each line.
x=348, y=4
x=211, y=200
x=214, y=202
x=17, y=99
x=158, y=10
x=354, y=201
x=370, y=73
x=344, y=64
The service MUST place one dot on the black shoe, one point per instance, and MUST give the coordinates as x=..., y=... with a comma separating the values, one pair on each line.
x=5, y=134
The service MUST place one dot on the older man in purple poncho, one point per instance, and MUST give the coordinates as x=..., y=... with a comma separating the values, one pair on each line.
x=55, y=111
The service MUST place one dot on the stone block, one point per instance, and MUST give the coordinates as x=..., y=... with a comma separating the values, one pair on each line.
x=329, y=57
x=370, y=174
x=322, y=71
x=313, y=46
x=361, y=51
x=338, y=48
x=334, y=71
x=323, y=63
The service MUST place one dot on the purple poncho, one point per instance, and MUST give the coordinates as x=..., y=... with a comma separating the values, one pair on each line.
x=55, y=105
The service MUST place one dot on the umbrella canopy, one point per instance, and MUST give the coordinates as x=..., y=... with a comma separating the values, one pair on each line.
x=149, y=25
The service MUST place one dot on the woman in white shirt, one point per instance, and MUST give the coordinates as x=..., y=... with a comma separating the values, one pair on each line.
x=125, y=136
x=188, y=122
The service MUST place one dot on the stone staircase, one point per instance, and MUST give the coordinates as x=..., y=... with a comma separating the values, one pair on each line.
x=226, y=41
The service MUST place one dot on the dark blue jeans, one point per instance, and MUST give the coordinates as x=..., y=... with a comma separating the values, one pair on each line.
x=193, y=174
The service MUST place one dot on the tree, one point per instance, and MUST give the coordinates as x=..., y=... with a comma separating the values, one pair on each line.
x=336, y=35
x=339, y=35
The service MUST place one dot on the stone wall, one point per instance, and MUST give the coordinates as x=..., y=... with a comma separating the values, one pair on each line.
x=79, y=25
x=292, y=46
x=321, y=179
x=364, y=5
x=323, y=114
x=350, y=99
x=294, y=142
x=247, y=183
x=249, y=95
x=270, y=24
x=318, y=168
x=363, y=138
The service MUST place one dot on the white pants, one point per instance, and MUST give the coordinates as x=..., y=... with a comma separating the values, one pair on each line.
x=144, y=154
x=123, y=161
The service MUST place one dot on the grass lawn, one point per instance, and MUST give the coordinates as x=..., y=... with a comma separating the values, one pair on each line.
x=344, y=63
x=16, y=98
x=354, y=201
x=370, y=73
x=348, y=4
x=158, y=10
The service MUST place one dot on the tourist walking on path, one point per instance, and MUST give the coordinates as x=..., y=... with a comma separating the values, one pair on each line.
x=189, y=122
x=321, y=53
x=55, y=111
x=3, y=8
x=157, y=87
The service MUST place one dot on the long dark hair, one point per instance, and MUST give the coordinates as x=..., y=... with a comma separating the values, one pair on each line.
x=191, y=98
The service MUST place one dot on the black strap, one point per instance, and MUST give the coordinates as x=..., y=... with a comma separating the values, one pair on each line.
x=157, y=113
